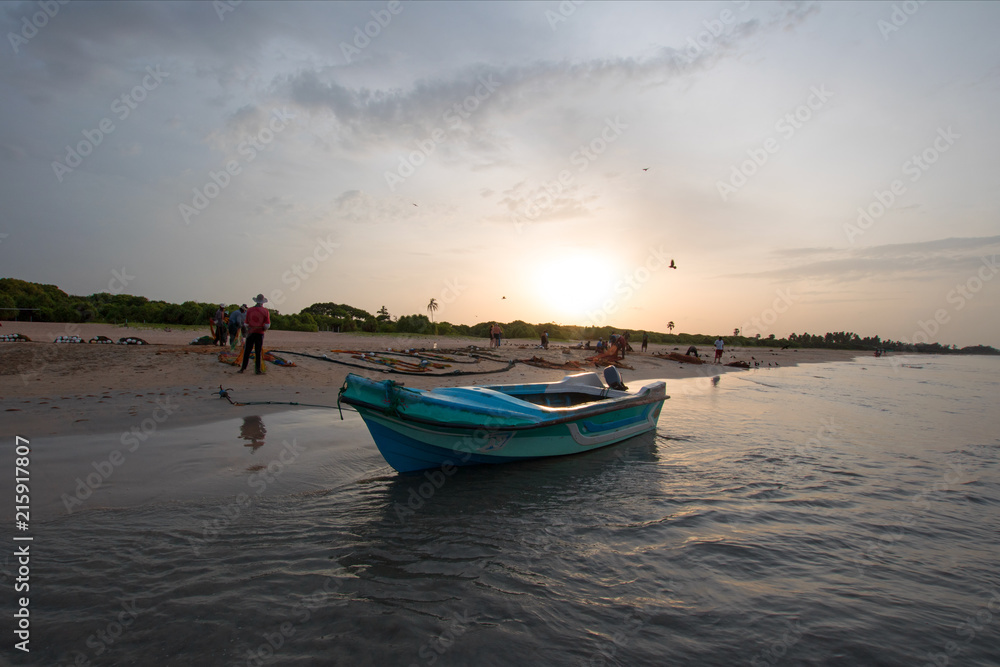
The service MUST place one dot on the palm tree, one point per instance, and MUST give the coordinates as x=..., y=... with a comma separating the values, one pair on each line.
x=431, y=307
x=670, y=326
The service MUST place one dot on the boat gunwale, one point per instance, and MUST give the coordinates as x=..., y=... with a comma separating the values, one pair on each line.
x=569, y=419
x=579, y=412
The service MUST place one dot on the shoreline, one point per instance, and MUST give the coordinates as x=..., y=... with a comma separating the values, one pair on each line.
x=57, y=389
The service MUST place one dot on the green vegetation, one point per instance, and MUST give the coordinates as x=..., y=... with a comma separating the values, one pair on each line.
x=48, y=303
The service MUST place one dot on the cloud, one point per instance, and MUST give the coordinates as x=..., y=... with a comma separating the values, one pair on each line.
x=358, y=207
x=10, y=152
x=247, y=121
x=796, y=13
x=361, y=119
x=468, y=103
x=544, y=204
x=927, y=260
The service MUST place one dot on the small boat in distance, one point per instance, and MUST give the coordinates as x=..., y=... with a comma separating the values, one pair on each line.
x=419, y=429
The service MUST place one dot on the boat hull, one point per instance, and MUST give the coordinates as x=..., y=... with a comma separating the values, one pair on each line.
x=410, y=444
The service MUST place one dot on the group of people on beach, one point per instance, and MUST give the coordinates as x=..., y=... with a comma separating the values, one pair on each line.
x=229, y=326
x=251, y=322
x=619, y=341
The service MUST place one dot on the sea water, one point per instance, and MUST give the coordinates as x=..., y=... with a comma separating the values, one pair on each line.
x=842, y=513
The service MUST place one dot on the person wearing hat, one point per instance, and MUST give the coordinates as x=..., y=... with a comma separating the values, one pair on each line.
x=219, y=319
x=258, y=320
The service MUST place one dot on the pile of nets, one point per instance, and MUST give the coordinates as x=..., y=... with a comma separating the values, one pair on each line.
x=102, y=340
x=131, y=340
x=68, y=339
x=609, y=358
x=682, y=358
x=14, y=338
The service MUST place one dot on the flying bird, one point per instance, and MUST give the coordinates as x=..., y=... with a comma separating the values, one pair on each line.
x=645, y=168
x=503, y=297
x=672, y=264
x=416, y=205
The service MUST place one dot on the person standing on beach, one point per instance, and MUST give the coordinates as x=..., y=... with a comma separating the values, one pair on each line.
x=236, y=321
x=220, y=325
x=719, y=344
x=645, y=340
x=258, y=320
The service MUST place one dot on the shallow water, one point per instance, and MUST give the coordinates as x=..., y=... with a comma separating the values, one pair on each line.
x=841, y=513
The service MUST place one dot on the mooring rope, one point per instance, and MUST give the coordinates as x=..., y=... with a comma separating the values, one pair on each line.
x=224, y=393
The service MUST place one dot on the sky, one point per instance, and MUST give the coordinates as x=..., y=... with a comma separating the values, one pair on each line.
x=807, y=167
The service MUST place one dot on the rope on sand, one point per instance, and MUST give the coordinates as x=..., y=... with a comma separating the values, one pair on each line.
x=224, y=393
x=510, y=365
x=439, y=356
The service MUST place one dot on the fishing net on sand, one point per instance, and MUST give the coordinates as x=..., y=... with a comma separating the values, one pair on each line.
x=607, y=358
x=682, y=358
x=234, y=358
x=538, y=362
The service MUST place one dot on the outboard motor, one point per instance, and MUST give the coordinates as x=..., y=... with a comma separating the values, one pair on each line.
x=614, y=378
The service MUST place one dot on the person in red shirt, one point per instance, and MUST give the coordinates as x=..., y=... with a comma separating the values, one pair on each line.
x=258, y=320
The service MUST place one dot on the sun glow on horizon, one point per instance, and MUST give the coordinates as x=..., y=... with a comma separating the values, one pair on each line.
x=575, y=287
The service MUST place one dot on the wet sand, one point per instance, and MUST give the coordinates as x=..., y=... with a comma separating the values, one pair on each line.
x=49, y=388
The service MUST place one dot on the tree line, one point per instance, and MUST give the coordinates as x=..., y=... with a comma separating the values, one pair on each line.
x=21, y=299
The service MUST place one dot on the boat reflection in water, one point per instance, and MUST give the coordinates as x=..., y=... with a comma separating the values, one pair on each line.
x=450, y=522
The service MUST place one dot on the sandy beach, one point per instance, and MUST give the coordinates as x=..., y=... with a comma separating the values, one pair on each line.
x=49, y=388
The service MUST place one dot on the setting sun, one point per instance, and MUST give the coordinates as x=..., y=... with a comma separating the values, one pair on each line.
x=574, y=287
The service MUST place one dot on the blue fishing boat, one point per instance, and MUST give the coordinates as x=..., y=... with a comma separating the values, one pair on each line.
x=419, y=429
